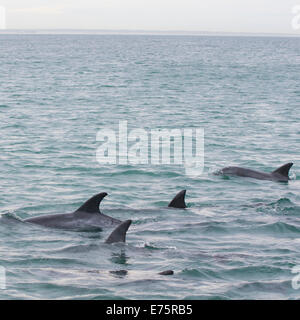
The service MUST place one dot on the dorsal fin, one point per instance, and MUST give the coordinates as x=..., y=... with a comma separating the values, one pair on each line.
x=283, y=170
x=119, y=234
x=92, y=205
x=178, y=200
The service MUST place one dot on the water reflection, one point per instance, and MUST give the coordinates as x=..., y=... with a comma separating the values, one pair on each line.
x=119, y=258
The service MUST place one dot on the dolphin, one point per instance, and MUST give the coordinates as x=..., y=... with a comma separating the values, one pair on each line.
x=281, y=174
x=178, y=201
x=88, y=215
x=119, y=234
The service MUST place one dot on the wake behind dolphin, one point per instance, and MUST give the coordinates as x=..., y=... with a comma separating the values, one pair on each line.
x=281, y=174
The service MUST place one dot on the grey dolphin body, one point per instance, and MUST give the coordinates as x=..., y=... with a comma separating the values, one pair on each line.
x=281, y=174
x=88, y=215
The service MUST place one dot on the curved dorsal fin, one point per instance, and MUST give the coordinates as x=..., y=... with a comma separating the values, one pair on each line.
x=119, y=234
x=284, y=170
x=178, y=200
x=92, y=205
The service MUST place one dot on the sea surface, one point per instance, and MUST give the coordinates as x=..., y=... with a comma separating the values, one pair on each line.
x=239, y=238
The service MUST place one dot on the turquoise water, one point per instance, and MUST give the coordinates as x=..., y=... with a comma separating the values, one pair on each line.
x=238, y=239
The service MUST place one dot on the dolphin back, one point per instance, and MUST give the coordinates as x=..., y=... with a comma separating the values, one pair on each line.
x=179, y=200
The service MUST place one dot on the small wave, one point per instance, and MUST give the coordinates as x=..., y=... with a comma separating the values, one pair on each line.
x=154, y=247
x=209, y=227
x=273, y=287
x=200, y=273
x=168, y=174
x=78, y=248
x=293, y=176
x=279, y=228
x=145, y=220
x=281, y=206
x=248, y=271
x=205, y=297
x=10, y=216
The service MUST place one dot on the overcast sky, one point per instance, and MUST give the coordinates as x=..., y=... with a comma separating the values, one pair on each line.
x=258, y=16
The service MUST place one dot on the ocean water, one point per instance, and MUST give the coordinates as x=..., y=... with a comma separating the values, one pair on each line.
x=238, y=238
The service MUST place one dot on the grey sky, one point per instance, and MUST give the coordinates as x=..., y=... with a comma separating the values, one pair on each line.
x=258, y=16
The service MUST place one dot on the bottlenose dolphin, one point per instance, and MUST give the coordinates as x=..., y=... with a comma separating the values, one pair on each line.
x=88, y=215
x=281, y=174
x=178, y=201
x=119, y=234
